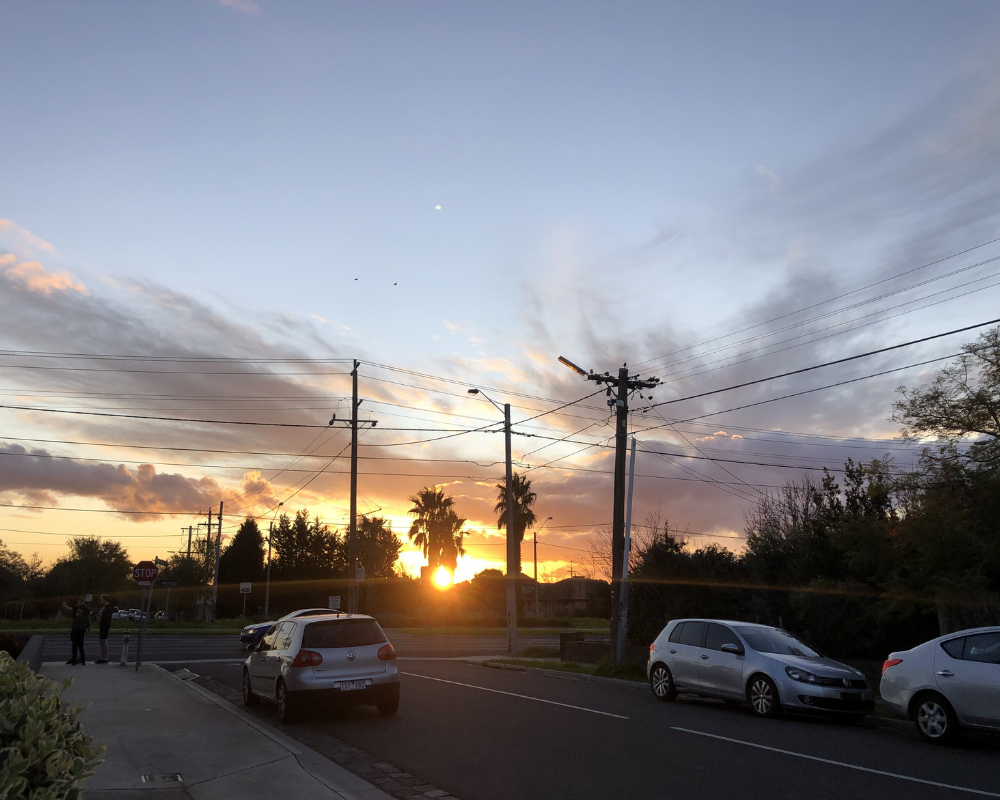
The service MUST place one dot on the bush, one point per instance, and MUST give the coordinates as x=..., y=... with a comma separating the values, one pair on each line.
x=44, y=753
x=9, y=643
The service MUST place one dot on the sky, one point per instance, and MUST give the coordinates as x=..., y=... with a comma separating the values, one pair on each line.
x=457, y=194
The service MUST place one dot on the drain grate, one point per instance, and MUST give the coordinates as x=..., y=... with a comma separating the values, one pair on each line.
x=171, y=777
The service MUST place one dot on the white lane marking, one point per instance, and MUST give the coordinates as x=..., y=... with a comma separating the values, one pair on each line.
x=514, y=694
x=843, y=764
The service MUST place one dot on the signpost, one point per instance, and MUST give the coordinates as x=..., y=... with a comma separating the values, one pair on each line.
x=333, y=601
x=168, y=585
x=145, y=574
x=245, y=590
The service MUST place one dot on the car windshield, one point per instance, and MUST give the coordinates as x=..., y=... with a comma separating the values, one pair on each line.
x=772, y=640
x=342, y=633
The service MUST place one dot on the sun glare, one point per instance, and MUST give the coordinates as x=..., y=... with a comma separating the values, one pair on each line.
x=442, y=578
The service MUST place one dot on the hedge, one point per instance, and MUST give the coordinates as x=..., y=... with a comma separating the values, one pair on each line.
x=44, y=753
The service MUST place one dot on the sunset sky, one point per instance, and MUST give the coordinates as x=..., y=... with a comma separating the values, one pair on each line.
x=243, y=196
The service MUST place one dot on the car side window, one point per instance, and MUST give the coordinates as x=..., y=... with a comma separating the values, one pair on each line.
x=675, y=634
x=267, y=643
x=983, y=647
x=954, y=647
x=693, y=633
x=719, y=635
x=283, y=636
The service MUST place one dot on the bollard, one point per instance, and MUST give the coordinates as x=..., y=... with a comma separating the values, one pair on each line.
x=124, y=661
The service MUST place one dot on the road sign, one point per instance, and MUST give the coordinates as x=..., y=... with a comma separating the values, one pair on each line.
x=333, y=601
x=169, y=584
x=145, y=572
x=245, y=588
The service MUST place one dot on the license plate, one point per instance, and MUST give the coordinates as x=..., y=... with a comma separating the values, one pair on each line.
x=351, y=686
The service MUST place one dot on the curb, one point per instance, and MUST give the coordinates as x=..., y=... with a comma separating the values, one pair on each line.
x=321, y=769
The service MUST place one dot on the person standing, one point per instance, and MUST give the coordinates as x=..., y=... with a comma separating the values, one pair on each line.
x=77, y=634
x=105, y=627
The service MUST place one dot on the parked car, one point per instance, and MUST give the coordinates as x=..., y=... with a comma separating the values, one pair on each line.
x=252, y=634
x=159, y=615
x=134, y=614
x=117, y=614
x=947, y=684
x=342, y=656
x=766, y=667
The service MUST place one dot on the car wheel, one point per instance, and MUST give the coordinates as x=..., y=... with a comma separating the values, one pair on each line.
x=935, y=719
x=662, y=683
x=249, y=698
x=390, y=703
x=285, y=703
x=763, y=696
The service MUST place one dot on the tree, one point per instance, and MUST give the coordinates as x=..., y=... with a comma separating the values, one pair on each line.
x=94, y=565
x=437, y=529
x=378, y=547
x=489, y=590
x=963, y=401
x=243, y=558
x=524, y=517
x=302, y=549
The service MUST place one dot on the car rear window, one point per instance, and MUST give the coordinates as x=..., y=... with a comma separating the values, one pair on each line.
x=342, y=633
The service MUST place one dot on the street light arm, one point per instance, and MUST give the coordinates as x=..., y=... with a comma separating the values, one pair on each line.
x=480, y=391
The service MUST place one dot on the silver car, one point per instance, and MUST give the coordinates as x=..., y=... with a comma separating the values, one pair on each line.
x=766, y=667
x=946, y=684
x=305, y=659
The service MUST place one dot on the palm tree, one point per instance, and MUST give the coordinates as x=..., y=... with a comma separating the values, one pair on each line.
x=437, y=529
x=524, y=517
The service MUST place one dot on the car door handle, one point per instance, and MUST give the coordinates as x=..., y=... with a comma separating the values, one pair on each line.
x=673, y=652
x=704, y=658
x=946, y=673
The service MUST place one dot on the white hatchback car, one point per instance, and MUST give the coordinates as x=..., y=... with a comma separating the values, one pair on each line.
x=343, y=656
x=946, y=684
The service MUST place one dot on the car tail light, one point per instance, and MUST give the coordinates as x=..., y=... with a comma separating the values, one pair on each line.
x=307, y=658
x=891, y=663
x=386, y=653
x=651, y=647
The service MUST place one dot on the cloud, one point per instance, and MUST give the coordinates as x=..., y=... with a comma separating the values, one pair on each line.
x=771, y=177
x=32, y=276
x=243, y=6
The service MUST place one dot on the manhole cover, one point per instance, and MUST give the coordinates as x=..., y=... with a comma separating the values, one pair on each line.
x=170, y=777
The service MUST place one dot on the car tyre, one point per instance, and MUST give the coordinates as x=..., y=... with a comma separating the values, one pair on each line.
x=249, y=698
x=287, y=710
x=762, y=694
x=390, y=703
x=662, y=683
x=935, y=718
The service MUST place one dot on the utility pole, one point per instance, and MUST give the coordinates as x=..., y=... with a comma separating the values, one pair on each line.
x=618, y=393
x=535, y=543
x=623, y=624
x=267, y=584
x=189, y=542
x=352, y=541
x=513, y=546
x=218, y=553
x=208, y=543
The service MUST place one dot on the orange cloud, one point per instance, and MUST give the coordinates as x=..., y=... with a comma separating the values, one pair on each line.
x=33, y=277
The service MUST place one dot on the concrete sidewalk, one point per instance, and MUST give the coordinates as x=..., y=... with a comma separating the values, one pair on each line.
x=158, y=726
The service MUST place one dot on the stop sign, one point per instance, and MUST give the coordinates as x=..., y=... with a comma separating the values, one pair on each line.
x=145, y=572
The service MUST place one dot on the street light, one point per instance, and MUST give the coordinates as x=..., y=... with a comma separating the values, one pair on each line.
x=547, y=519
x=511, y=541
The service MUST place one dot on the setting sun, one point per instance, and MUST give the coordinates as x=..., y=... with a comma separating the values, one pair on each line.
x=442, y=578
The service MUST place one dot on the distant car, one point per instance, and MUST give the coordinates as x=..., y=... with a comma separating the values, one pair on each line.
x=159, y=615
x=116, y=614
x=766, y=667
x=300, y=660
x=947, y=684
x=252, y=634
x=134, y=613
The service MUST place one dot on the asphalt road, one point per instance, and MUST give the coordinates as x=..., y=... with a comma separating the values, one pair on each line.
x=167, y=648
x=486, y=734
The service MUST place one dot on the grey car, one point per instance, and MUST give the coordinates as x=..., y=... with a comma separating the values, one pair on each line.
x=302, y=660
x=946, y=684
x=766, y=667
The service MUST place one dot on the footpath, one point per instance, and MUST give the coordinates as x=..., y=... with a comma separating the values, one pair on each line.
x=178, y=740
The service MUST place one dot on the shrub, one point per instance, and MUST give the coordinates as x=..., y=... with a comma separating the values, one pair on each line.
x=9, y=643
x=44, y=753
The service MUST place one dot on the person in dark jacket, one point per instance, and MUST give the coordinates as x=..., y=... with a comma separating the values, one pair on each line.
x=77, y=634
x=105, y=626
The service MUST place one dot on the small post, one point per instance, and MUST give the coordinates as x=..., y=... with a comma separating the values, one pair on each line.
x=124, y=659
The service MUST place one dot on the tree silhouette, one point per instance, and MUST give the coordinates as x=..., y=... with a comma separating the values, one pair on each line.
x=437, y=529
x=524, y=517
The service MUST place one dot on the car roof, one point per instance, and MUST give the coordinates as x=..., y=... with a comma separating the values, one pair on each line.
x=334, y=616
x=968, y=632
x=726, y=622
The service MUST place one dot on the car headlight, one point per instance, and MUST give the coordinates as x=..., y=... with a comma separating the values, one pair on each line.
x=800, y=675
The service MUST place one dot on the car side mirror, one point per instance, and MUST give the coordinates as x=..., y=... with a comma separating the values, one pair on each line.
x=261, y=646
x=736, y=650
